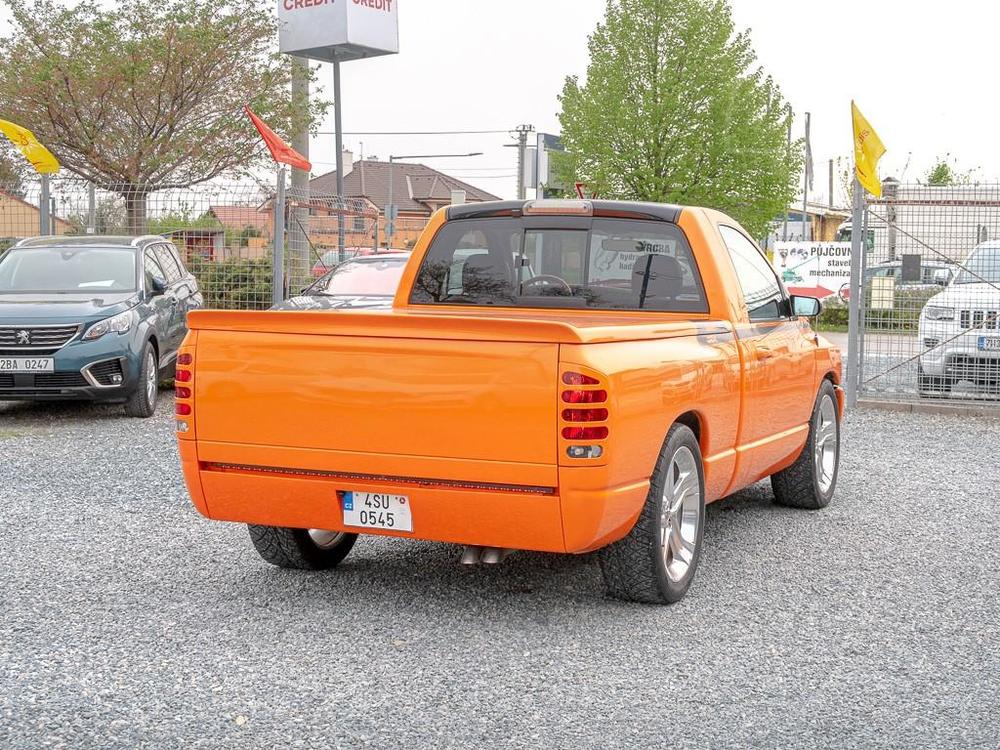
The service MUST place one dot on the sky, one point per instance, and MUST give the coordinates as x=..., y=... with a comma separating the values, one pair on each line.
x=919, y=71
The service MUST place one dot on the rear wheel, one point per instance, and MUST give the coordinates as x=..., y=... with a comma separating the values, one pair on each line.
x=658, y=559
x=303, y=549
x=809, y=482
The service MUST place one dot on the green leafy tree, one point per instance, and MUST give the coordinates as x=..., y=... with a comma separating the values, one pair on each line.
x=13, y=169
x=146, y=95
x=945, y=172
x=675, y=109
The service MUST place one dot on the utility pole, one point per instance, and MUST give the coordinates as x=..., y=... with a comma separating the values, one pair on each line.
x=522, y=156
x=831, y=183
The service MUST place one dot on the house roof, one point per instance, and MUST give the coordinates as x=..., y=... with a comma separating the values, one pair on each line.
x=240, y=217
x=413, y=185
x=18, y=199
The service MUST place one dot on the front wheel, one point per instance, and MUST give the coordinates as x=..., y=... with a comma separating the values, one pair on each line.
x=142, y=402
x=809, y=482
x=657, y=561
x=303, y=549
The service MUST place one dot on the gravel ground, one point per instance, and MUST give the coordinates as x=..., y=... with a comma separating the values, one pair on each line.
x=127, y=620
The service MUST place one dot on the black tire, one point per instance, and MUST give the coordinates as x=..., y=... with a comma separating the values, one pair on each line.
x=295, y=548
x=931, y=386
x=141, y=403
x=636, y=568
x=801, y=485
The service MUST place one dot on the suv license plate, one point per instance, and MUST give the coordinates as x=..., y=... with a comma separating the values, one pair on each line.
x=989, y=343
x=376, y=510
x=26, y=364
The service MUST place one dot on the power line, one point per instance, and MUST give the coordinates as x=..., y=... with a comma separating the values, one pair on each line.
x=417, y=132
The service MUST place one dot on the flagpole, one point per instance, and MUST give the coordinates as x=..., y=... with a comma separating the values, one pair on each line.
x=278, y=256
x=854, y=301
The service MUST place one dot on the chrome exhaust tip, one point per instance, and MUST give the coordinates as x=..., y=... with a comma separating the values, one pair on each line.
x=471, y=555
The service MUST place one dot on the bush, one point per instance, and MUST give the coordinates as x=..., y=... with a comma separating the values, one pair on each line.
x=904, y=315
x=237, y=284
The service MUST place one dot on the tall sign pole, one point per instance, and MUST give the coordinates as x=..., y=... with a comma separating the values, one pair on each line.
x=339, y=145
x=337, y=32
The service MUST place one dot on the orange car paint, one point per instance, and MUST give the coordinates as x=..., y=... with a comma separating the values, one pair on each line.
x=460, y=408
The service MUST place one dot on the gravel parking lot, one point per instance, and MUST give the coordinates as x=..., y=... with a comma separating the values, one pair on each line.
x=127, y=620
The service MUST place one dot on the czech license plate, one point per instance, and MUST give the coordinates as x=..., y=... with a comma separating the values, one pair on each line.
x=376, y=510
x=26, y=364
x=989, y=343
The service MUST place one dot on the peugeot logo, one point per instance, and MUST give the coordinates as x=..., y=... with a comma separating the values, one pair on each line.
x=24, y=337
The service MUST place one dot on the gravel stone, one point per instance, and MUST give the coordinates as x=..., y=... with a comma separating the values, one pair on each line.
x=128, y=621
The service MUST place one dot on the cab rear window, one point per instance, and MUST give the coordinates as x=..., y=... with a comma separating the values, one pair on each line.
x=608, y=264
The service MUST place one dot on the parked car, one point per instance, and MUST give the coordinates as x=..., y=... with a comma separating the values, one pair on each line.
x=329, y=260
x=932, y=274
x=960, y=327
x=362, y=283
x=92, y=318
x=654, y=364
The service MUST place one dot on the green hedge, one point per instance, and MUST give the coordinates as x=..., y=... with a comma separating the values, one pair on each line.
x=238, y=284
x=904, y=315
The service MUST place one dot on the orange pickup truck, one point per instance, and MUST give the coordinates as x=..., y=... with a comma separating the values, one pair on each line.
x=563, y=376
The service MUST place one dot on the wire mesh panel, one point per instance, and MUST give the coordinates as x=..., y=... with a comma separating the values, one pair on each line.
x=931, y=285
x=224, y=230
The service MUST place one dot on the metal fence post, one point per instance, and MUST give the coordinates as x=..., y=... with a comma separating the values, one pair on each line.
x=854, y=301
x=44, y=207
x=278, y=256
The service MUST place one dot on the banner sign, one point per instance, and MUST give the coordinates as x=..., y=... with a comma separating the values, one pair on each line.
x=329, y=30
x=813, y=269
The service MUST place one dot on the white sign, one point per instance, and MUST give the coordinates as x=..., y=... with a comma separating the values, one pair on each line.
x=338, y=29
x=813, y=269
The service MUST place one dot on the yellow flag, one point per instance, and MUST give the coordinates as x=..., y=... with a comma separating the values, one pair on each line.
x=40, y=157
x=868, y=149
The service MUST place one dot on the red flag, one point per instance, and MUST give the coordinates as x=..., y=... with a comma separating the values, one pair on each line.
x=280, y=151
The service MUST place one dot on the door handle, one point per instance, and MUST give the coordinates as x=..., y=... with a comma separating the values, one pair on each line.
x=763, y=352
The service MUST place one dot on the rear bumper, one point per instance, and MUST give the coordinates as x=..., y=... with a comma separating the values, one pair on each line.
x=578, y=518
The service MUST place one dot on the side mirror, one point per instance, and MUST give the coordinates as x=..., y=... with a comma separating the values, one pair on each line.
x=805, y=307
x=157, y=286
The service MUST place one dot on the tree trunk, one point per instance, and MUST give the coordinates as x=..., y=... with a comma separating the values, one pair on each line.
x=135, y=211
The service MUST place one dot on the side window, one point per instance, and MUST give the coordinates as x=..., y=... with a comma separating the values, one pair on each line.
x=151, y=267
x=175, y=254
x=167, y=263
x=761, y=290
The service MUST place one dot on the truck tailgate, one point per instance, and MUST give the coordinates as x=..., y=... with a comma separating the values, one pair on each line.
x=351, y=402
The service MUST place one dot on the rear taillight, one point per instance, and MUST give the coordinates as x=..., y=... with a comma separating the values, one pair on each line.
x=585, y=397
x=585, y=433
x=578, y=378
x=184, y=394
x=582, y=427
x=585, y=415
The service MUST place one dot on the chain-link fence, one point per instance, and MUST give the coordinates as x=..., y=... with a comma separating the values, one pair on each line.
x=930, y=314
x=224, y=230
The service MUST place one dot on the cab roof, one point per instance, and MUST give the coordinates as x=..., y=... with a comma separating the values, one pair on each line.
x=551, y=207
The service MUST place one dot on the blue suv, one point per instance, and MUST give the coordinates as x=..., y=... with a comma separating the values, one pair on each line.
x=92, y=318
